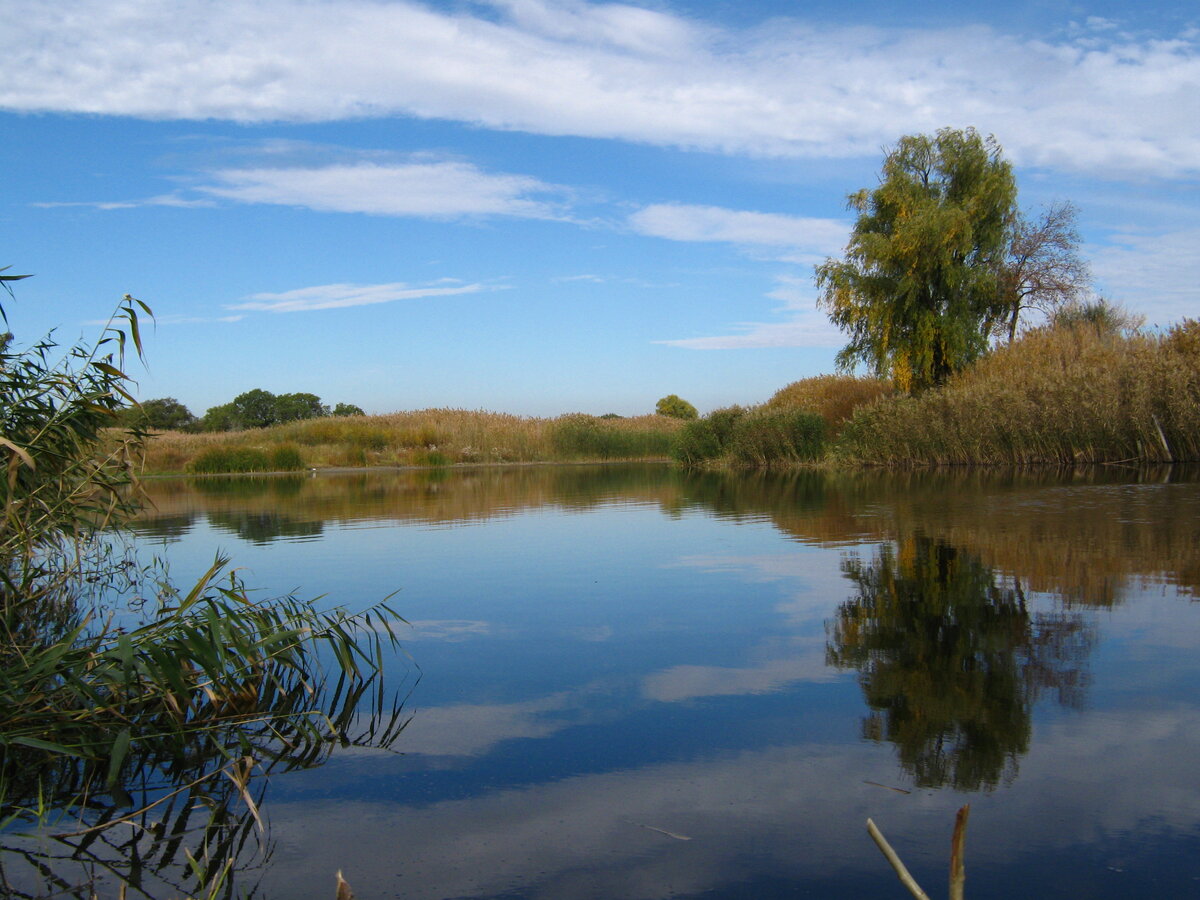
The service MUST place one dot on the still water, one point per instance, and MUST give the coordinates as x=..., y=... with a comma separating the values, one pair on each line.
x=631, y=682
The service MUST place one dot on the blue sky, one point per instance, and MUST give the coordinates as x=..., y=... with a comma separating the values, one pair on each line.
x=541, y=207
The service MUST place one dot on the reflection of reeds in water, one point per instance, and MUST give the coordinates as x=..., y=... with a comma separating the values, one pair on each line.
x=1083, y=535
x=132, y=754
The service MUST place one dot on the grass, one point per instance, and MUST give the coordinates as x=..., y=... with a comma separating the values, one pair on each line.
x=430, y=437
x=753, y=438
x=1062, y=396
x=833, y=397
x=1068, y=395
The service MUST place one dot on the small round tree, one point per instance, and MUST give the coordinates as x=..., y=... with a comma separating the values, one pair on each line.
x=676, y=407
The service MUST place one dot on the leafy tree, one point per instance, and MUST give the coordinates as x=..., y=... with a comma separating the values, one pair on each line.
x=255, y=408
x=161, y=413
x=675, y=407
x=291, y=407
x=919, y=287
x=1043, y=271
x=347, y=409
x=221, y=418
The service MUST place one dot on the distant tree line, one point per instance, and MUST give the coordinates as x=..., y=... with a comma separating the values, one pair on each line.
x=253, y=409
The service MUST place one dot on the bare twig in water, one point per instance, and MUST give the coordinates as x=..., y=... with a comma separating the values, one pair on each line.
x=670, y=834
x=902, y=872
x=958, y=873
x=887, y=787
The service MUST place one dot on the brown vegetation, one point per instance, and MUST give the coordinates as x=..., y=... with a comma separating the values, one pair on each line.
x=430, y=437
x=1063, y=396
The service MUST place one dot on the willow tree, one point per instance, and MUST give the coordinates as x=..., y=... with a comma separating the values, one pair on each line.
x=919, y=288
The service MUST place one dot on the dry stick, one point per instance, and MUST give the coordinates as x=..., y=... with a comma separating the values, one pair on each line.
x=958, y=873
x=901, y=872
x=1162, y=437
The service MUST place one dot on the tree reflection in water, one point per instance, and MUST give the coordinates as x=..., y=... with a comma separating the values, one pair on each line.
x=950, y=662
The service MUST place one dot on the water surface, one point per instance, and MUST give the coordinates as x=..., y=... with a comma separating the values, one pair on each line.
x=630, y=682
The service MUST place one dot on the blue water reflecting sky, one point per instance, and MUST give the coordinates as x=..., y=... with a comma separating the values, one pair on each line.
x=630, y=697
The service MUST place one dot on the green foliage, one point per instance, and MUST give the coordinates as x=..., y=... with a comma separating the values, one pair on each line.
x=255, y=409
x=580, y=436
x=220, y=418
x=919, y=287
x=676, y=407
x=229, y=460
x=160, y=414
x=768, y=437
x=759, y=437
x=291, y=407
x=262, y=409
x=171, y=712
x=708, y=438
x=950, y=663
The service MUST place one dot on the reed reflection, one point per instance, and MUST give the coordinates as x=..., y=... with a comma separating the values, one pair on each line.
x=134, y=761
x=950, y=662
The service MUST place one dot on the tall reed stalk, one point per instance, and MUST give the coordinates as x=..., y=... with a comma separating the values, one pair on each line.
x=104, y=718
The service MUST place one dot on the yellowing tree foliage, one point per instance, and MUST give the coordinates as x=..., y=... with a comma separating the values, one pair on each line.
x=919, y=288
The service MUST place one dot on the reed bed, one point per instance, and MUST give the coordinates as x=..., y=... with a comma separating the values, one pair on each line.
x=1063, y=396
x=832, y=397
x=429, y=437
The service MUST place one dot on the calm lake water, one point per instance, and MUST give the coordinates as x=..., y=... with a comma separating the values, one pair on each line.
x=631, y=682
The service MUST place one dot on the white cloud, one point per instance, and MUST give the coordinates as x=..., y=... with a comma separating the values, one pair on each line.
x=423, y=189
x=340, y=296
x=682, y=222
x=161, y=200
x=1155, y=275
x=1096, y=100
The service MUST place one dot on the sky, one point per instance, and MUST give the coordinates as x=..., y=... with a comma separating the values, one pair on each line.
x=547, y=206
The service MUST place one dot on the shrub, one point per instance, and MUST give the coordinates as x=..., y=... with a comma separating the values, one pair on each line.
x=676, y=407
x=707, y=438
x=833, y=397
x=226, y=460
x=580, y=436
x=767, y=437
x=286, y=458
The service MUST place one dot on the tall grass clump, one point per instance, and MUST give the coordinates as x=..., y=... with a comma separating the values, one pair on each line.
x=240, y=460
x=760, y=437
x=580, y=436
x=1077, y=393
x=833, y=397
x=158, y=716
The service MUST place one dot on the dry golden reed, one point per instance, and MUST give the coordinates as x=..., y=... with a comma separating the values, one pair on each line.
x=1061, y=396
x=833, y=397
x=429, y=437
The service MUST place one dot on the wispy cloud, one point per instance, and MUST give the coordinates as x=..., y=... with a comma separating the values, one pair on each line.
x=1157, y=272
x=805, y=239
x=1096, y=100
x=341, y=296
x=161, y=200
x=443, y=190
x=805, y=325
